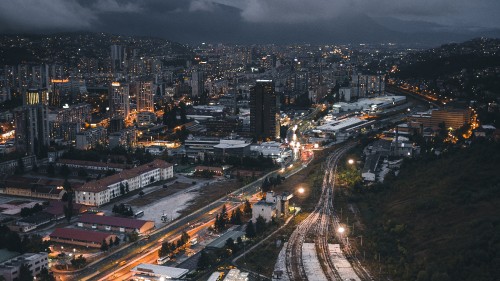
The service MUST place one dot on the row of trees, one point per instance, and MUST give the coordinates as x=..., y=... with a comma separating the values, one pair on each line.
x=11, y=241
x=170, y=114
x=210, y=258
x=222, y=219
x=117, y=154
x=26, y=212
x=168, y=248
x=106, y=246
x=123, y=210
x=269, y=182
x=256, y=229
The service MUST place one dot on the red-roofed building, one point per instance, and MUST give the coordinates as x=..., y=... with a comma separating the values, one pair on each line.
x=115, y=223
x=100, y=192
x=80, y=237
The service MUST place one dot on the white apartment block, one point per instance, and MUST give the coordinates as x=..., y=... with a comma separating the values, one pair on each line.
x=100, y=192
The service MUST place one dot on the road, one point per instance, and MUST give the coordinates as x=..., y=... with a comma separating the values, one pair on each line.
x=145, y=250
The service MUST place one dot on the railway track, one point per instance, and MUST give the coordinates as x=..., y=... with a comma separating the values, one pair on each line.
x=318, y=223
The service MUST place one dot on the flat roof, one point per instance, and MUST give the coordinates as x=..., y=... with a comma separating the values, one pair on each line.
x=112, y=221
x=340, y=124
x=160, y=270
x=221, y=241
x=6, y=255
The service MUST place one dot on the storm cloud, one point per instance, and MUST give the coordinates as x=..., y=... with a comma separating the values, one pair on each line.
x=247, y=20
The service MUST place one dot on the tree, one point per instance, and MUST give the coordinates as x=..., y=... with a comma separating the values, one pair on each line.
x=79, y=261
x=13, y=242
x=20, y=167
x=152, y=179
x=132, y=236
x=68, y=209
x=247, y=209
x=236, y=217
x=45, y=275
x=204, y=261
x=25, y=273
x=82, y=173
x=250, y=230
x=224, y=218
x=122, y=188
x=127, y=190
x=104, y=245
x=141, y=193
x=67, y=185
x=182, y=107
x=185, y=237
x=230, y=244
x=51, y=170
x=65, y=171
x=117, y=241
x=260, y=225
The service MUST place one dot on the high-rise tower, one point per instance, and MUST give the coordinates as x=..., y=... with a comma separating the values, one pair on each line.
x=264, y=111
x=119, y=102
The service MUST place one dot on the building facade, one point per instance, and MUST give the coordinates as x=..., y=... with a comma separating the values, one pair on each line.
x=10, y=269
x=100, y=192
x=264, y=111
x=145, y=96
x=119, y=100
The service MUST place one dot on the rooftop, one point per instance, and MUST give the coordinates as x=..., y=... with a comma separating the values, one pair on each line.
x=102, y=184
x=112, y=221
x=92, y=163
x=159, y=270
x=79, y=234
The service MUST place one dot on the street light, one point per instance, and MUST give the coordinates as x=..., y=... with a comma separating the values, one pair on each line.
x=350, y=161
x=301, y=190
x=341, y=230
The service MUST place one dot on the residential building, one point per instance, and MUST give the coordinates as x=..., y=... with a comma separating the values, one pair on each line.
x=11, y=269
x=126, y=138
x=66, y=122
x=145, y=96
x=91, y=138
x=197, y=83
x=99, y=192
x=119, y=100
x=79, y=237
x=146, y=118
x=367, y=85
x=116, y=224
x=32, y=123
x=264, y=111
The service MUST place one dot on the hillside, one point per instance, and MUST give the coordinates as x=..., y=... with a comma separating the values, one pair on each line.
x=438, y=220
x=71, y=48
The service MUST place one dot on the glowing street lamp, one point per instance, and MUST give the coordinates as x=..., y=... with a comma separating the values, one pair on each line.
x=341, y=230
x=301, y=190
x=350, y=161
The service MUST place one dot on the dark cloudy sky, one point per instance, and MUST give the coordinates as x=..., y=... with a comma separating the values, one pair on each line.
x=260, y=20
